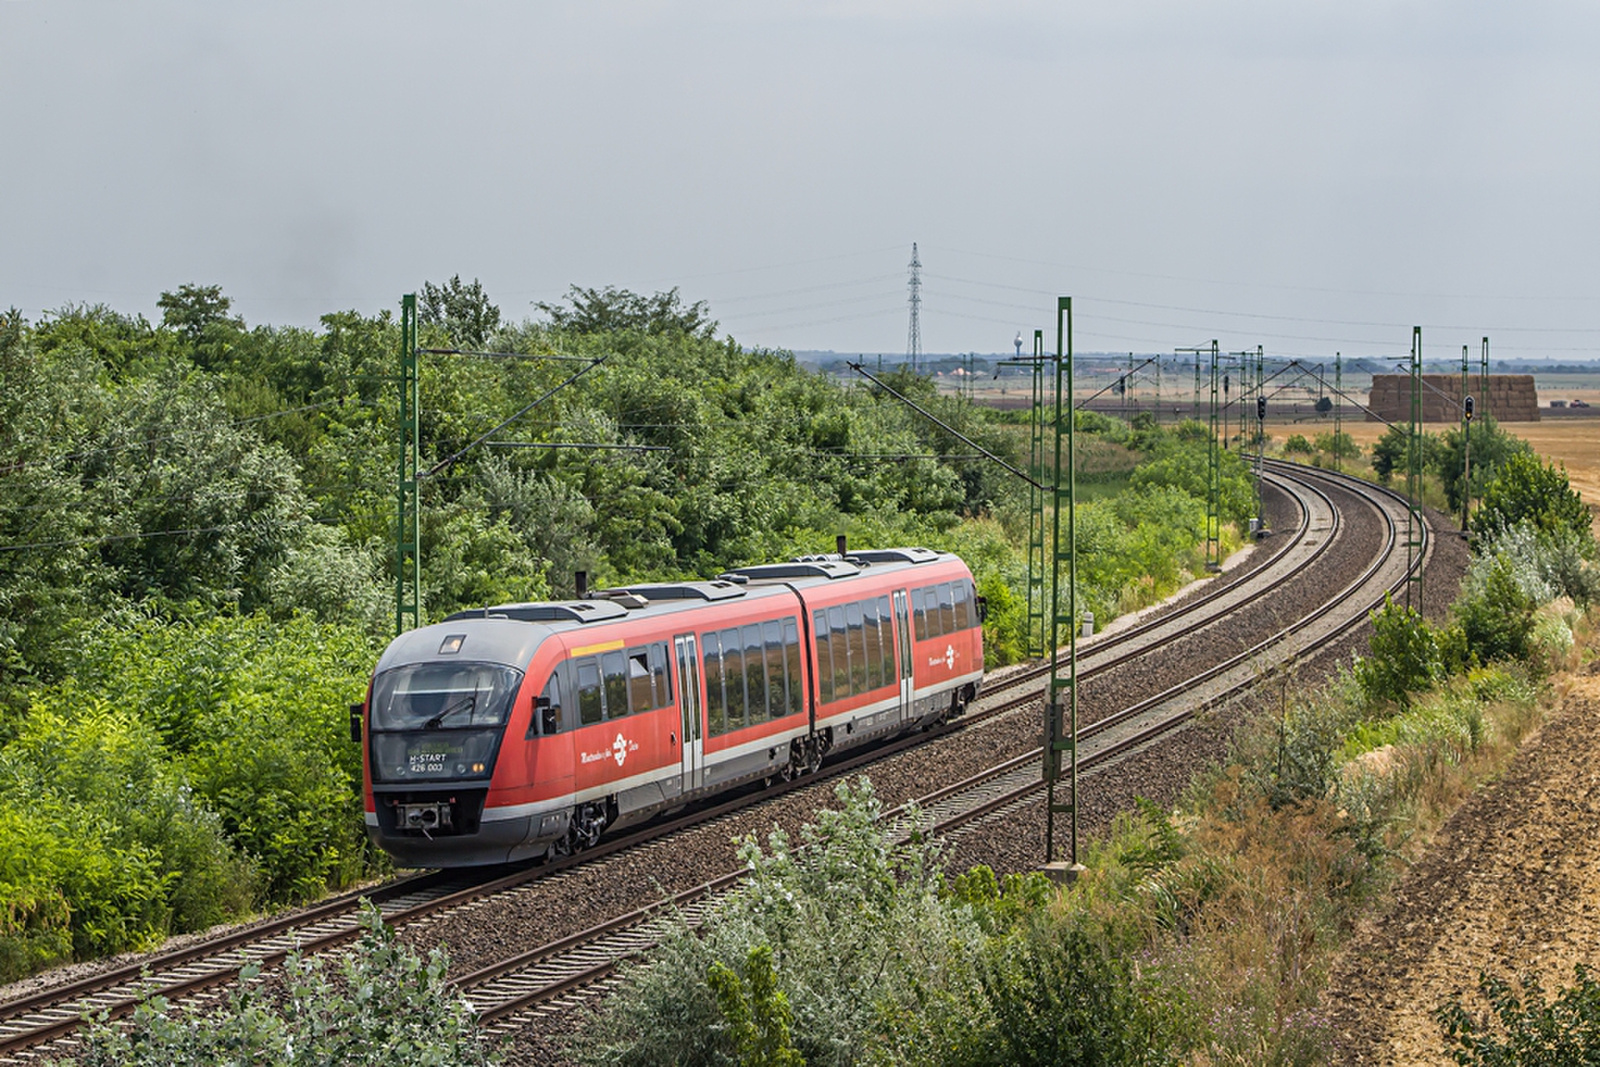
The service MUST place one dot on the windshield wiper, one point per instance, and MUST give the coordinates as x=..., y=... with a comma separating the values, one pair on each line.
x=466, y=703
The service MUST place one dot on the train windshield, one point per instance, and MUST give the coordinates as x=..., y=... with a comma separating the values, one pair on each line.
x=444, y=696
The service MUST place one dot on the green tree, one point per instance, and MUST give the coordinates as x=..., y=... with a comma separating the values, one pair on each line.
x=1494, y=612
x=193, y=308
x=1525, y=489
x=51, y=578
x=461, y=309
x=1491, y=447
x=1390, y=452
x=1340, y=445
x=1403, y=656
x=613, y=310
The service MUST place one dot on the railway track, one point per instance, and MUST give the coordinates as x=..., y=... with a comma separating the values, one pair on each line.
x=551, y=978
x=38, y=1024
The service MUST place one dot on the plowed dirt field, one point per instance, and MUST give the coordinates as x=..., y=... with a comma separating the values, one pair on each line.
x=1511, y=884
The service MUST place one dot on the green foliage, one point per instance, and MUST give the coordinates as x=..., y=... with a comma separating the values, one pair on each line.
x=1404, y=656
x=1180, y=462
x=105, y=847
x=1049, y=994
x=1297, y=445
x=1340, y=445
x=221, y=777
x=858, y=927
x=194, y=309
x=756, y=1011
x=461, y=309
x=1522, y=1029
x=1494, y=611
x=1525, y=489
x=612, y=310
x=1390, y=453
x=1491, y=447
x=384, y=1004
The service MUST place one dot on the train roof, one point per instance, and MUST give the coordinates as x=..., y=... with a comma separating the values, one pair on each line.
x=509, y=633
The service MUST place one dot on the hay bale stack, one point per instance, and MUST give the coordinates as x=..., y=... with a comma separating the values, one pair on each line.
x=1512, y=398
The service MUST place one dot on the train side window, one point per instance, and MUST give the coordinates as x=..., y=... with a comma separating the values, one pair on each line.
x=755, y=674
x=791, y=664
x=551, y=711
x=772, y=638
x=841, y=652
x=733, y=677
x=941, y=613
x=963, y=600
x=886, y=639
x=716, y=706
x=874, y=654
x=590, y=709
x=858, y=648
x=824, y=660
x=919, y=611
x=640, y=697
x=662, y=676
x=614, y=665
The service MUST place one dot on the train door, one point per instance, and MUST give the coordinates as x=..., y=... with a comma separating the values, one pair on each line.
x=902, y=633
x=689, y=705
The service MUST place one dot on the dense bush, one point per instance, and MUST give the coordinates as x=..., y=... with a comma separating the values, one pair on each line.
x=220, y=778
x=1403, y=656
x=1495, y=612
x=856, y=926
x=851, y=949
x=1525, y=489
x=1338, y=445
x=384, y=1004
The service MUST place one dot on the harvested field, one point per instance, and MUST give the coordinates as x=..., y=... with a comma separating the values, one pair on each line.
x=1574, y=442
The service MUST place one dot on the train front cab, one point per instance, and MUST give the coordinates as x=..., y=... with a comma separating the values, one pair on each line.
x=444, y=708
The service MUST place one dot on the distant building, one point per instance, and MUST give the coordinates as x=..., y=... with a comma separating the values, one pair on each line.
x=1512, y=398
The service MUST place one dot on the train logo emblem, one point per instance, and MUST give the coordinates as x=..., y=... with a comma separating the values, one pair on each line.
x=619, y=749
x=950, y=657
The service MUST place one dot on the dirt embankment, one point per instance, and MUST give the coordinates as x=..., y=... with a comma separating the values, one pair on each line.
x=1511, y=884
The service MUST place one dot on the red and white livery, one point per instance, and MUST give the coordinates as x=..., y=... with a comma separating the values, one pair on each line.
x=523, y=730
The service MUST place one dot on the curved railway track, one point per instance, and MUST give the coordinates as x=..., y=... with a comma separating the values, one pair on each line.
x=506, y=991
x=512, y=992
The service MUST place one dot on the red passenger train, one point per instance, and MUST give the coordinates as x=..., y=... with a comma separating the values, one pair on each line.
x=525, y=730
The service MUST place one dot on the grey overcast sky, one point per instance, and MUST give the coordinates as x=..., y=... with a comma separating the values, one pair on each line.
x=1308, y=175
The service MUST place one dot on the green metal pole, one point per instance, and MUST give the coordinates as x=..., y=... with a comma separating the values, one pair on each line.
x=1261, y=430
x=1414, y=525
x=1214, y=478
x=1194, y=408
x=1483, y=380
x=1037, y=630
x=408, y=524
x=1338, y=409
x=1062, y=717
x=1158, y=389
